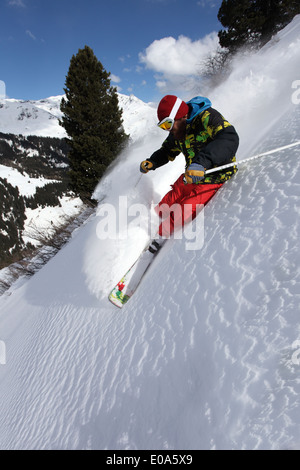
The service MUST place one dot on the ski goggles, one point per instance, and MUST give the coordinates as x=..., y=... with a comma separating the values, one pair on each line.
x=167, y=123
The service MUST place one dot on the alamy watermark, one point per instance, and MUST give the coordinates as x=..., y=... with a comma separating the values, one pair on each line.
x=296, y=354
x=2, y=90
x=2, y=353
x=115, y=222
x=296, y=94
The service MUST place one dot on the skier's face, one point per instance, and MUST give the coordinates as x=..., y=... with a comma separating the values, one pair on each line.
x=178, y=129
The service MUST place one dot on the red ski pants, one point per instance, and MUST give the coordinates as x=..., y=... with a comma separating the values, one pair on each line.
x=181, y=204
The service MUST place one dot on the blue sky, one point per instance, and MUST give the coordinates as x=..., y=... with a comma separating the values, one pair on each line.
x=150, y=47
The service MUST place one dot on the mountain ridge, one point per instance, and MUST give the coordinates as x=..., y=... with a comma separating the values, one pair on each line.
x=40, y=117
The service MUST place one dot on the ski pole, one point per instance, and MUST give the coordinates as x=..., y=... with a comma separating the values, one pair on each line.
x=212, y=170
x=139, y=179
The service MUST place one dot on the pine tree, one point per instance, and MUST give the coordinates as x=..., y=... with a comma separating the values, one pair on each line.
x=12, y=218
x=253, y=22
x=92, y=120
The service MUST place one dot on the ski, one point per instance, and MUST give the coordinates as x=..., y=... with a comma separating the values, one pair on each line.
x=128, y=284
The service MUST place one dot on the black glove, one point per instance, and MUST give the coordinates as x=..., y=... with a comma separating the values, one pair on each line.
x=146, y=165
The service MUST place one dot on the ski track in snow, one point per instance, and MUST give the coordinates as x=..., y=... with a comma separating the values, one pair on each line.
x=199, y=358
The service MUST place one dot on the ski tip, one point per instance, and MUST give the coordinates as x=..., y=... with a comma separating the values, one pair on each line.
x=117, y=299
x=115, y=303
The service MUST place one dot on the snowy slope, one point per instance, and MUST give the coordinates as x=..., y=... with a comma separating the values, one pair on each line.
x=27, y=185
x=31, y=117
x=206, y=355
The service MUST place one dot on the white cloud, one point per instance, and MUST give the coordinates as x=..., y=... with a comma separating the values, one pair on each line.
x=124, y=58
x=16, y=3
x=139, y=69
x=179, y=56
x=177, y=62
x=31, y=35
x=115, y=78
x=207, y=3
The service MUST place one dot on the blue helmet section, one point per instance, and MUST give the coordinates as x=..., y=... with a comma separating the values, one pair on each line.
x=198, y=105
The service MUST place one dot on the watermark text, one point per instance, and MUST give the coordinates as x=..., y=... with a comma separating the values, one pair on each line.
x=2, y=353
x=2, y=90
x=116, y=221
x=296, y=94
x=296, y=354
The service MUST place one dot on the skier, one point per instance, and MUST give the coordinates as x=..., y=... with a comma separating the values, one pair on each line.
x=207, y=141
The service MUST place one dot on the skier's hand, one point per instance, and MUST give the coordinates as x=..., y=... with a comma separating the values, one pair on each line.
x=146, y=165
x=194, y=173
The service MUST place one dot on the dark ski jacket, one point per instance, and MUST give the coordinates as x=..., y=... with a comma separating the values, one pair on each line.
x=210, y=140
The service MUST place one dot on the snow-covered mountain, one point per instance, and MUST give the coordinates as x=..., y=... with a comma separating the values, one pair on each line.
x=31, y=117
x=41, y=117
x=206, y=355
